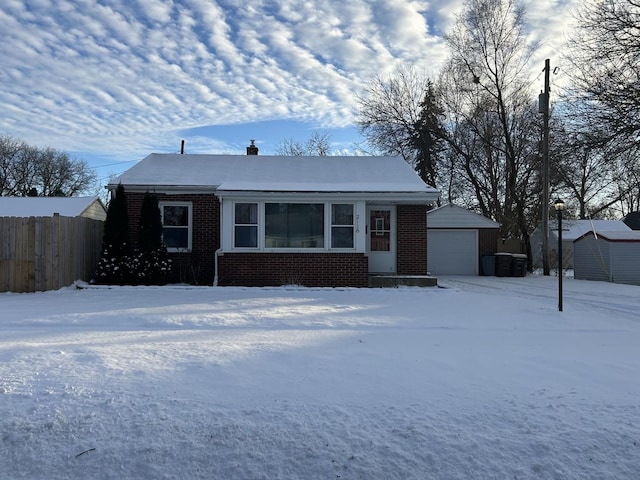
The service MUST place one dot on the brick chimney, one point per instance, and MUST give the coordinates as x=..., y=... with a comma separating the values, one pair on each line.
x=252, y=149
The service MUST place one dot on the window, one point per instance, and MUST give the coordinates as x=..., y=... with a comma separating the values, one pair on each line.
x=342, y=225
x=246, y=225
x=268, y=225
x=176, y=225
x=294, y=225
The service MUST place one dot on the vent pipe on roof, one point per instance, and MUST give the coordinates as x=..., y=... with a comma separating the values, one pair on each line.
x=252, y=149
x=182, y=147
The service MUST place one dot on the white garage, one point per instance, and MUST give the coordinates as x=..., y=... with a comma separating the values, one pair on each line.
x=456, y=239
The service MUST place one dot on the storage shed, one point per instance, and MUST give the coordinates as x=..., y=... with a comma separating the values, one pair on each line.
x=456, y=240
x=608, y=256
x=571, y=230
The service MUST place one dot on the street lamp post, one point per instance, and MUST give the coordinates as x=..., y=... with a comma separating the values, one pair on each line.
x=559, y=206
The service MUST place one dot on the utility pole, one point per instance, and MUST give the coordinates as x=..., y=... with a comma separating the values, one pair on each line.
x=543, y=108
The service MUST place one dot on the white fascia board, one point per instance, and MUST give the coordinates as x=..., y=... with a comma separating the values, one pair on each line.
x=389, y=198
x=168, y=189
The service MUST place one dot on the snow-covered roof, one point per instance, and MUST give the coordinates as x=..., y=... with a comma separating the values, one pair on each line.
x=615, y=235
x=45, y=206
x=572, y=229
x=263, y=173
x=454, y=216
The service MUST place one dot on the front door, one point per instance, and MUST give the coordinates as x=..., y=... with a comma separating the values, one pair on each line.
x=381, y=239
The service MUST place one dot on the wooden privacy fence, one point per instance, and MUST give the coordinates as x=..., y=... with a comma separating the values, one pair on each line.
x=47, y=253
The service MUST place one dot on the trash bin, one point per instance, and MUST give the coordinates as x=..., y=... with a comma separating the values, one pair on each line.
x=503, y=264
x=518, y=265
x=489, y=265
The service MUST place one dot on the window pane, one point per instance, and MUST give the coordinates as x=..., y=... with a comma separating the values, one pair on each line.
x=380, y=231
x=246, y=236
x=247, y=213
x=341, y=214
x=294, y=225
x=175, y=237
x=380, y=221
x=176, y=215
x=381, y=243
x=342, y=237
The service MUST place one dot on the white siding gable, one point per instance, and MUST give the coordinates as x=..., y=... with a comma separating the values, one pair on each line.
x=453, y=216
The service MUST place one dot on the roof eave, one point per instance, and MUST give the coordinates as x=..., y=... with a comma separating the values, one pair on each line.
x=169, y=189
x=410, y=198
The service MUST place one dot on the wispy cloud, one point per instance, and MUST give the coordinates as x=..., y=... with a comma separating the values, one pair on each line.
x=127, y=76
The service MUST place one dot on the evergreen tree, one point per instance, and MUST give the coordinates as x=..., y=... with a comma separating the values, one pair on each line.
x=428, y=136
x=150, y=264
x=150, y=227
x=116, y=226
x=113, y=266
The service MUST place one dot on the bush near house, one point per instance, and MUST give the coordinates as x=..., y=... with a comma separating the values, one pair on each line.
x=148, y=264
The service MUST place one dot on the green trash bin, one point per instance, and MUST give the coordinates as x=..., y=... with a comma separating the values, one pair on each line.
x=518, y=265
x=503, y=264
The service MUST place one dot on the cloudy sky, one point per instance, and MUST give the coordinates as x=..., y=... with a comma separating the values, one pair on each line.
x=111, y=81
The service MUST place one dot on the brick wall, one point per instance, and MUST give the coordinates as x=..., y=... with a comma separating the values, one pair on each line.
x=487, y=243
x=308, y=269
x=196, y=267
x=487, y=240
x=411, y=224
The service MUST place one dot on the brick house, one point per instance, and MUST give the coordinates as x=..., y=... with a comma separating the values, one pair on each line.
x=252, y=220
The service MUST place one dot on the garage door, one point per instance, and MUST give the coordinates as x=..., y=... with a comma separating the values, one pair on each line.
x=452, y=252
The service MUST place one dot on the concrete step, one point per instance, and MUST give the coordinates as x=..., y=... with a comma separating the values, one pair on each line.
x=390, y=281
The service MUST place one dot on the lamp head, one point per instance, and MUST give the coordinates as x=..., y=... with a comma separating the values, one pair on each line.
x=558, y=204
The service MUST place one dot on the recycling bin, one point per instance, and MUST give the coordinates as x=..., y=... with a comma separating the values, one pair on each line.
x=488, y=265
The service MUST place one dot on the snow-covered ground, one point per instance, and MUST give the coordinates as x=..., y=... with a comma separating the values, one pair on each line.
x=482, y=379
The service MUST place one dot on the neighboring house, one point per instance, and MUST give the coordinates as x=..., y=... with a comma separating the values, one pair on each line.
x=87, y=207
x=608, y=256
x=265, y=220
x=571, y=230
x=457, y=238
x=49, y=242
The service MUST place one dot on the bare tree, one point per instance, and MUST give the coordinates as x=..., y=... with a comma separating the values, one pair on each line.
x=627, y=183
x=604, y=54
x=493, y=129
x=10, y=149
x=318, y=144
x=582, y=171
x=389, y=112
x=25, y=170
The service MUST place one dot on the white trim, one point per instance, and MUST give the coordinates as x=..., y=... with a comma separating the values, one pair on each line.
x=373, y=198
x=454, y=216
x=257, y=225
